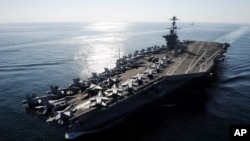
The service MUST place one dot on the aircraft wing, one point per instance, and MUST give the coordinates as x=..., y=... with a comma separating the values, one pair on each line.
x=103, y=104
x=98, y=88
x=105, y=98
x=93, y=99
x=120, y=90
x=134, y=77
x=109, y=90
x=93, y=104
x=135, y=84
x=124, y=84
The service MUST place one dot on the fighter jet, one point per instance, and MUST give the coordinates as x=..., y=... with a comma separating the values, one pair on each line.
x=153, y=59
x=150, y=73
x=139, y=78
x=53, y=90
x=109, y=72
x=60, y=116
x=157, y=67
x=92, y=89
x=95, y=87
x=80, y=83
x=148, y=50
x=56, y=92
x=114, y=91
x=111, y=80
x=95, y=79
x=153, y=66
x=99, y=100
x=42, y=109
x=161, y=63
x=94, y=75
x=130, y=85
x=34, y=100
x=59, y=103
x=136, y=52
x=166, y=59
x=118, y=69
x=142, y=51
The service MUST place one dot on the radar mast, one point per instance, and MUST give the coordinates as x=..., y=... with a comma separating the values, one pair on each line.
x=172, y=37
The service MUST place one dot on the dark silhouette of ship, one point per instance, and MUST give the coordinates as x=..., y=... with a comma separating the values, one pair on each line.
x=137, y=80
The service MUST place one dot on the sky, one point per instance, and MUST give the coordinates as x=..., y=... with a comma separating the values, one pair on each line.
x=215, y=11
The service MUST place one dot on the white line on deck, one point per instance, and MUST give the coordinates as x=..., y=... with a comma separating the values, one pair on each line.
x=188, y=69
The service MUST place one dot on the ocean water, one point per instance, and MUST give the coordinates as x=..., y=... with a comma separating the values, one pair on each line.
x=36, y=55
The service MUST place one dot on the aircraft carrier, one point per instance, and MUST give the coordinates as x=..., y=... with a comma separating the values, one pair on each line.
x=137, y=80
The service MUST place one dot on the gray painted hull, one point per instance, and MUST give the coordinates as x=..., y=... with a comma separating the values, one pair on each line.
x=107, y=117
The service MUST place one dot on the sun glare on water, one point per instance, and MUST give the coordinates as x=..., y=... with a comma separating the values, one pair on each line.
x=102, y=49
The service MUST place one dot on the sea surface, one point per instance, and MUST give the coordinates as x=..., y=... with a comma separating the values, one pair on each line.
x=34, y=56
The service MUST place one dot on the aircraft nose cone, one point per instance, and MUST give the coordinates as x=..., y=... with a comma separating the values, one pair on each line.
x=73, y=135
x=68, y=136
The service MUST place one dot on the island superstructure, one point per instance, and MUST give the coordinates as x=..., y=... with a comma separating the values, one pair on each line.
x=137, y=80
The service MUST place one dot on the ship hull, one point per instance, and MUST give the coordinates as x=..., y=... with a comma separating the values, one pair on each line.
x=107, y=117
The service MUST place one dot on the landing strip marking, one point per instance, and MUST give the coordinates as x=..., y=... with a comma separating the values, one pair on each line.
x=179, y=63
x=197, y=61
x=188, y=69
x=212, y=56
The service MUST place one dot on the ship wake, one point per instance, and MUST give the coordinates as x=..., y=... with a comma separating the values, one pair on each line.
x=232, y=36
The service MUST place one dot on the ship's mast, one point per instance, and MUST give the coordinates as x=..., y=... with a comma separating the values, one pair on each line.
x=173, y=29
x=119, y=59
x=172, y=38
x=119, y=53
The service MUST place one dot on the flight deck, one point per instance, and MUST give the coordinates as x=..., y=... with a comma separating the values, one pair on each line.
x=198, y=57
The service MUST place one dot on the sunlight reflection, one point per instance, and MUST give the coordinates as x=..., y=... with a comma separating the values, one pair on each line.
x=100, y=50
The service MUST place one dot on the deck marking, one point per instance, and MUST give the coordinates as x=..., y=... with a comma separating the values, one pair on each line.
x=188, y=69
x=185, y=56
